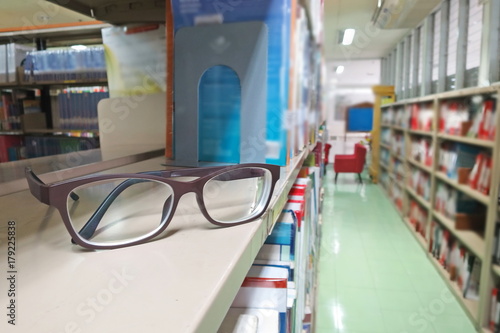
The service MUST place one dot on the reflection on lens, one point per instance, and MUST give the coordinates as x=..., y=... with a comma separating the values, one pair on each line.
x=237, y=195
x=119, y=210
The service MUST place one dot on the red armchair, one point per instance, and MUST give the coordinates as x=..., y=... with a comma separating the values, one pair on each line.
x=351, y=163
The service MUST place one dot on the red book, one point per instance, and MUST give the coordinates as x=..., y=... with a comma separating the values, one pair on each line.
x=476, y=171
x=493, y=309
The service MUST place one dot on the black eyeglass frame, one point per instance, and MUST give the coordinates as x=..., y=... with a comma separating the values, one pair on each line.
x=56, y=195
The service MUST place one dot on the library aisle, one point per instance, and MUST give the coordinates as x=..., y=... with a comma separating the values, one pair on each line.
x=373, y=275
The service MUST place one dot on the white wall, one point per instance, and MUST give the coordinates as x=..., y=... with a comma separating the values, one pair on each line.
x=353, y=86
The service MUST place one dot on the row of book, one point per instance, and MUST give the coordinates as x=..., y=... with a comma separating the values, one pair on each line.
x=65, y=64
x=420, y=116
x=398, y=167
x=396, y=193
x=454, y=156
x=420, y=182
x=10, y=112
x=463, y=267
x=474, y=117
x=385, y=155
x=38, y=146
x=397, y=116
x=418, y=217
x=421, y=150
x=385, y=136
x=78, y=107
x=277, y=295
x=398, y=144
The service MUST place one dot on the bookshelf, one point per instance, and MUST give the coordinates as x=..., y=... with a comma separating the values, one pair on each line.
x=183, y=283
x=188, y=275
x=428, y=135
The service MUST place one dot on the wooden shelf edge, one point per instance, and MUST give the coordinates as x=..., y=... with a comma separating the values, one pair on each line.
x=467, y=140
x=420, y=165
x=398, y=128
x=418, y=197
x=420, y=239
x=464, y=236
x=420, y=132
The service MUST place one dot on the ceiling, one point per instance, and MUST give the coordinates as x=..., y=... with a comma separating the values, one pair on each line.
x=370, y=42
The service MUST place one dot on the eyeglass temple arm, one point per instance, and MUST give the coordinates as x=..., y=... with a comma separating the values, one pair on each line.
x=37, y=187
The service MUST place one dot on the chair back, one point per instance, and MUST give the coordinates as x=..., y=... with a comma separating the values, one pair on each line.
x=360, y=153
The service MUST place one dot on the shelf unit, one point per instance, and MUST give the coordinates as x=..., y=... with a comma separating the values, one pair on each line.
x=478, y=243
x=193, y=288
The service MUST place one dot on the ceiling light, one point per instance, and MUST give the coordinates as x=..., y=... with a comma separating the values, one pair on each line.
x=379, y=3
x=339, y=69
x=78, y=47
x=348, y=36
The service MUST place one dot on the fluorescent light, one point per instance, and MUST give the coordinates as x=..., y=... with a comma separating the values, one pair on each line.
x=379, y=3
x=78, y=47
x=348, y=36
x=339, y=69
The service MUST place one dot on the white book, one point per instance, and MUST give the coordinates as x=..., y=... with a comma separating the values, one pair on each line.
x=250, y=320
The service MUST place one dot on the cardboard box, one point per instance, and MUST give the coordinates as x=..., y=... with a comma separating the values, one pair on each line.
x=474, y=222
x=33, y=121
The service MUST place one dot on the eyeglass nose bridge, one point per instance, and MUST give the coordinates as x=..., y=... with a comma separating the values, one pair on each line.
x=196, y=187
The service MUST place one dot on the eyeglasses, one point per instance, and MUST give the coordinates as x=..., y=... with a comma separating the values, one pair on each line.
x=119, y=210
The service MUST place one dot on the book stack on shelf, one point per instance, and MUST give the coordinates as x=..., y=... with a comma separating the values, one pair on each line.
x=421, y=150
x=421, y=116
x=281, y=285
x=78, y=107
x=66, y=64
x=420, y=183
x=463, y=267
x=38, y=146
x=418, y=216
x=451, y=196
x=472, y=117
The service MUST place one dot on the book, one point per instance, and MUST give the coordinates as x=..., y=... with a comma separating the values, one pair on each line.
x=265, y=287
x=250, y=320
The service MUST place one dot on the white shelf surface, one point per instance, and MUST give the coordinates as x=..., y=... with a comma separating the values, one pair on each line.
x=184, y=281
x=467, y=140
x=75, y=164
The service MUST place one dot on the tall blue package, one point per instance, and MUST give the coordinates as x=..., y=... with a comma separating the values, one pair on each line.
x=276, y=16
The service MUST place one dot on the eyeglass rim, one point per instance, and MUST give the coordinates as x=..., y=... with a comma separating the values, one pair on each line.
x=56, y=194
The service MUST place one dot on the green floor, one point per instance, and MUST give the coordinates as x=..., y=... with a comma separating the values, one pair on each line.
x=373, y=275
